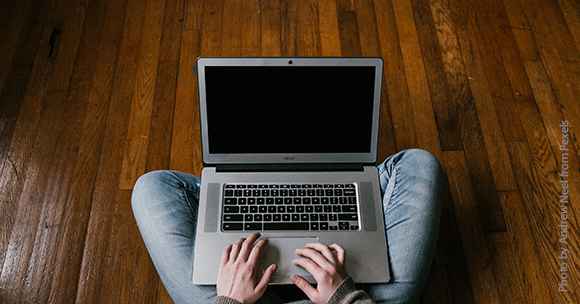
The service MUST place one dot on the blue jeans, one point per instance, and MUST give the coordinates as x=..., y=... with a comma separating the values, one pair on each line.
x=165, y=207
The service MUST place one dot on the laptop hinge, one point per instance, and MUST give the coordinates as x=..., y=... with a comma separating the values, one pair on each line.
x=289, y=167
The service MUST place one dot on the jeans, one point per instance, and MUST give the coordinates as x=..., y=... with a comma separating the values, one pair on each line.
x=412, y=182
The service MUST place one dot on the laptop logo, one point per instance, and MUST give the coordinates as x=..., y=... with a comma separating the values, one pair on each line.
x=289, y=158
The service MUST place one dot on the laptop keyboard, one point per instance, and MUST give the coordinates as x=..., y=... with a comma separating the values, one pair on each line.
x=310, y=207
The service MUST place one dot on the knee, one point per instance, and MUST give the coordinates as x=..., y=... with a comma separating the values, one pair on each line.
x=149, y=186
x=426, y=170
x=423, y=162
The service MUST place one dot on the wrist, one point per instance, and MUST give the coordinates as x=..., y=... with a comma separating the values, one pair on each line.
x=226, y=300
x=343, y=289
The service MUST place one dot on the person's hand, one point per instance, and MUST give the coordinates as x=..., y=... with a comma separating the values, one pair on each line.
x=326, y=265
x=237, y=276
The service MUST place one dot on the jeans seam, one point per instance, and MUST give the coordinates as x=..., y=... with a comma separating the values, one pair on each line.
x=390, y=188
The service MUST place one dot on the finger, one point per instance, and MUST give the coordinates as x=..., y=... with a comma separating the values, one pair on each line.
x=226, y=254
x=235, y=249
x=246, y=246
x=322, y=249
x=311, y=267
x=256, y=251
x=263, y=284
x=315, y=256
x=301, y=283
x=339, y=253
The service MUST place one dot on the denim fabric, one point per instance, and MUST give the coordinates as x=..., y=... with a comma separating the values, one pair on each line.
x=165, y=207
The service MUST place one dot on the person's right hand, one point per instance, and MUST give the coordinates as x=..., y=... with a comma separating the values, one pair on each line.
x=326, y=265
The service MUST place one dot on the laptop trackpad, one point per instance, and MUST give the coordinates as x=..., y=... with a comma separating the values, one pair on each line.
x=280, y=251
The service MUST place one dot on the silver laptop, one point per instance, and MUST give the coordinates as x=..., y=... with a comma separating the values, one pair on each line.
x=289, y=149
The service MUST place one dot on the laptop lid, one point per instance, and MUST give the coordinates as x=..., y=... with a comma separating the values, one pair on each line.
x=289, y=110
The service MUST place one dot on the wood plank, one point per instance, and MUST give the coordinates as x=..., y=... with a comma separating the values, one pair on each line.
x=60, y=178
x=482, y=29
x=472, y=231
x=159, y=146
x=539, y=184
x=288, y=29
x=250, y=28
x=186, y=145
x=394, y=76
x=270, y=28
x=16, y=74
x=507, y=269
x=492, y=133
x=445, y=108
x=348, y=29
x=550, y=110
x=22, y=252
x=14, y=164
x=559, y=56
x=29, y=204
x=14, y=21
x=370, y=46
x=307, y=31
x=427, y=136
x=231, y=38
x=328, y=27
x=69, y=254
x=95, y=261
x=570, y=14
x=523, y=247
x=473, y=142
x=142, y=100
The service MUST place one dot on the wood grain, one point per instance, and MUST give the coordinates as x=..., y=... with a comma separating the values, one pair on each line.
x=95, y=262
x=370, y=46
x=142, y=100
x=394, y=77
x=419, y=94
x=475, y=243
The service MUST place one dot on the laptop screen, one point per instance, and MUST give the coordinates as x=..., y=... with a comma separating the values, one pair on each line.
x=289, y=109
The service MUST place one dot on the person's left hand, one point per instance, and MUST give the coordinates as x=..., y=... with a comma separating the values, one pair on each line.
x=237, y=277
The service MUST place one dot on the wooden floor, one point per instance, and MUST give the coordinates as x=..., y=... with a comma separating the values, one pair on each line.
x=94, y=93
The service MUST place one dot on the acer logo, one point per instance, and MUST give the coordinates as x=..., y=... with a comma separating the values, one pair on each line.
x=289, y=157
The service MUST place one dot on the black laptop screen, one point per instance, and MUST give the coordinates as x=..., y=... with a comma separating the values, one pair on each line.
x=294, y=109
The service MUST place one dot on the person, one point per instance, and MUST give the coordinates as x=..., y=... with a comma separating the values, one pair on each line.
x=165, y=207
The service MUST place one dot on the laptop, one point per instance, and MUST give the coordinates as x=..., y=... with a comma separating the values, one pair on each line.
x=289, y=149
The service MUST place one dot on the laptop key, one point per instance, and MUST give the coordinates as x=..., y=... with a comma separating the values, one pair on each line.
x=348, y=192
x=347, y=217
x=230, y=201
x=324, y=226
x=286, y=226
x=252, y=226
x=233, y=217
x=349, y=208
x=231, y=209
x=313, y=225
x=232, y=226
